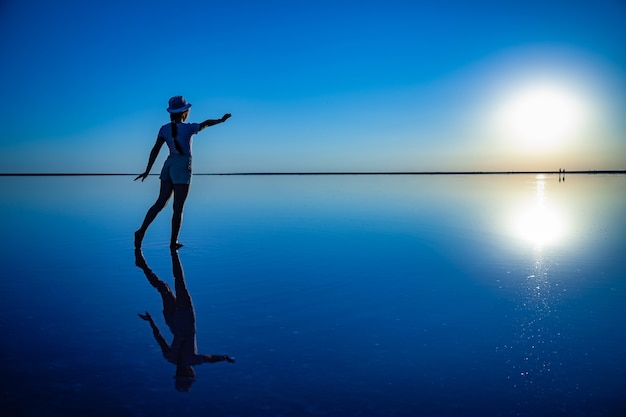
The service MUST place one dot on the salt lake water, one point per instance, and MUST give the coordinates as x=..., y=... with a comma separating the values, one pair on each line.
x=374, y=295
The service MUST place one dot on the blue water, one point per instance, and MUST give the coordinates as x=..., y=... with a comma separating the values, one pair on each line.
x=494, y=295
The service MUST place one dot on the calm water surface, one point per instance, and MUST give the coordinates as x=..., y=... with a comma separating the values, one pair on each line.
x=336, y=295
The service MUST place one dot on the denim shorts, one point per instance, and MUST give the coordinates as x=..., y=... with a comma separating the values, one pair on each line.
x=177, y=169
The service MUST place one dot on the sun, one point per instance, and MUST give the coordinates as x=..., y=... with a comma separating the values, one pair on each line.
x=541, y=115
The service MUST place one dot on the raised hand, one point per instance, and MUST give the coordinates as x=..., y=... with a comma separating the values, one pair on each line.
x=146, y=317
x=143, y=176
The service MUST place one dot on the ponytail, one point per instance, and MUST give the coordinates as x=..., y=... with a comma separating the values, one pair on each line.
x=174, y=133
x=174, y=129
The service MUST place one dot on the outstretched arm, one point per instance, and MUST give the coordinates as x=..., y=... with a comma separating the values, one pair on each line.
x=165, y=348
x=212, y=122
x=153, y=155
x=217, y=358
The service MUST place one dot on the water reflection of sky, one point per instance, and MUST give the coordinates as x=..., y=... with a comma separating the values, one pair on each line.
x=413, y=294
x=540, y=223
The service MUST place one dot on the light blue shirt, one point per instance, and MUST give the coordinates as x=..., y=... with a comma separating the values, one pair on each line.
x=183, y=136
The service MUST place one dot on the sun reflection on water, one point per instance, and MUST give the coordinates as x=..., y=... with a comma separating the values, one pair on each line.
x=540, y=223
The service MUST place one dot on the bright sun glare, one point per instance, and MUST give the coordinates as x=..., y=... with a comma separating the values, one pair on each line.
x=541, y=115
x=540, y=223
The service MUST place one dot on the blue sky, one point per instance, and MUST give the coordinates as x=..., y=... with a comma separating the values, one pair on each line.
x=313, y=86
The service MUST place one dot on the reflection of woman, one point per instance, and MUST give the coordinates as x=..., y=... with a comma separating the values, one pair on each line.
x=176, y=172
x=180, y=317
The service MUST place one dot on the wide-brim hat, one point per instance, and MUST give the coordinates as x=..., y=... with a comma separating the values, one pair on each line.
x=178, y=104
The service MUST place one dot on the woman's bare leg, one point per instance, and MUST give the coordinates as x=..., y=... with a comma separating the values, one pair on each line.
x=167, y=296
x=164, y=195
x=183, y=299
x=180, y=195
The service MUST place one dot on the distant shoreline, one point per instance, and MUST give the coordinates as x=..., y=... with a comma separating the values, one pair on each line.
x=588, y=172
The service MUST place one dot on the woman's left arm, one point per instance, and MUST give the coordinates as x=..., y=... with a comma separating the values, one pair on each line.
x=212, y=122
x=153, y=155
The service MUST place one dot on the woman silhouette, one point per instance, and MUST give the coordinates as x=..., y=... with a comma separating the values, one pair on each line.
x=176, y=172
x=180, y=317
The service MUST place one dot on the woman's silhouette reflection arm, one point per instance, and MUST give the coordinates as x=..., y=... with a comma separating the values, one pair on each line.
x=216, y=358
x=165, y=348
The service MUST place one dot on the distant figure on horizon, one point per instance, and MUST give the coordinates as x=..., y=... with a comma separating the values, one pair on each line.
x=176, y=173
x=180, y=317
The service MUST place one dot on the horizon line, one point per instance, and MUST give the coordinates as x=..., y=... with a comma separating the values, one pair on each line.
x=77, y=174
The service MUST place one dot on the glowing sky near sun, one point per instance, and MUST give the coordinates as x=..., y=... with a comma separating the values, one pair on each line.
x=316, y=86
